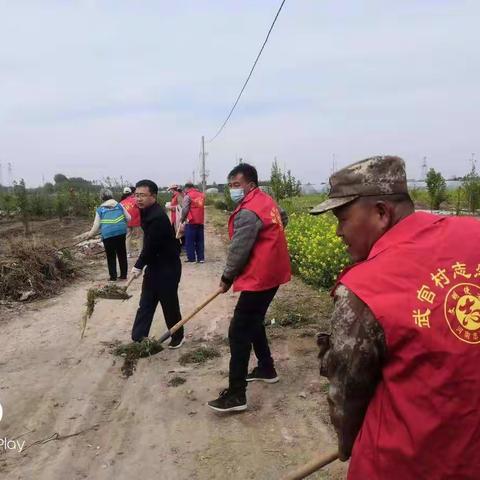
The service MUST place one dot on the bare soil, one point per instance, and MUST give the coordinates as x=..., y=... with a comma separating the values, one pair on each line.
x=82, y=419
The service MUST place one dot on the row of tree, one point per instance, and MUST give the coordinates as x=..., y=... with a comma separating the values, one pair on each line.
x=467, y=195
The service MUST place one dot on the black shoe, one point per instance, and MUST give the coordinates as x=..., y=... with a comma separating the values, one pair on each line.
x=263, y=375
x=189, y=261
x=177, y=343
x=229, y=402
x=122, y=278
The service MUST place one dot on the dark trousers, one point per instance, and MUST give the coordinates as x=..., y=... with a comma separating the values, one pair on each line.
x=247, y=329
x=195, y=242
x=159, y=285
x=115, y=247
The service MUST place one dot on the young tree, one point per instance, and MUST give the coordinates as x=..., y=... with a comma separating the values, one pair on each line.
x=283, y=184
x=471, y=186
x=21, y=196
x=437, y=188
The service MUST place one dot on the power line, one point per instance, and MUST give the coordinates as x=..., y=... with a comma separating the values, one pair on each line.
x=249, y=75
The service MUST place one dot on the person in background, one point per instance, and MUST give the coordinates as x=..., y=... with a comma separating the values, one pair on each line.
x=134, y=231
x=175, y=205
x=111, y=220
x=193, y=213
x=127, y=191
x=161, y=257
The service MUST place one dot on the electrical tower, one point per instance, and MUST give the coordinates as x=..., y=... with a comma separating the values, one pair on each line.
x=424, y=169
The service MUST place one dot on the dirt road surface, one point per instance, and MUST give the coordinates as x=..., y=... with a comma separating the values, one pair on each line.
x=81, y=419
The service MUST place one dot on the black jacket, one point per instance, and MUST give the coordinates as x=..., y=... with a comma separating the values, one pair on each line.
x=160, y=247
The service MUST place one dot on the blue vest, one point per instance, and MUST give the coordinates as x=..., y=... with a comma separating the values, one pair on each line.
x=112, y=221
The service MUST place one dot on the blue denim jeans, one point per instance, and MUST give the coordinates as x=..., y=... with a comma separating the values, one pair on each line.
x=194, y=242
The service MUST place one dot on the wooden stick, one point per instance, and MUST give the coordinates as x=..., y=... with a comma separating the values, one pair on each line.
x=182, y=322
x=132, y=278
x=312, y=466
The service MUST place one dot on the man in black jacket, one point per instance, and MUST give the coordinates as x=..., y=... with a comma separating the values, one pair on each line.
x=161, y=257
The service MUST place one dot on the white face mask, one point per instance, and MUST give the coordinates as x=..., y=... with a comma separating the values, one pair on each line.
x=237, y=194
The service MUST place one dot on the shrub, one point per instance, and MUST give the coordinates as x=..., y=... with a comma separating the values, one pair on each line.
x=220, y=205
x=317, y=254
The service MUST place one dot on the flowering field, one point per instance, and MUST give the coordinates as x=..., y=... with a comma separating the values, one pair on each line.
x=317, y=254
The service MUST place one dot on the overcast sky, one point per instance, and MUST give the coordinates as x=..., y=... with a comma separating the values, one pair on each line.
x=127, y=88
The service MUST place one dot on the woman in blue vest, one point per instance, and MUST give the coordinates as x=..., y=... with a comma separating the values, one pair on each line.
x=111, y=220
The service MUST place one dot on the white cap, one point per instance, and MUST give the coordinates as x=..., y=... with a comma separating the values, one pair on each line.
x=127, y=190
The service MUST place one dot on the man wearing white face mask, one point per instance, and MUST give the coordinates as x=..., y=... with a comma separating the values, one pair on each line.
x=257, y=264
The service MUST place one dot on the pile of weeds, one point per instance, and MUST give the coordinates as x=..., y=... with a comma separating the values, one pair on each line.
x=131, y=352
x=34, y=268
x=113, y=292
x=176, y=381
x=199, y=355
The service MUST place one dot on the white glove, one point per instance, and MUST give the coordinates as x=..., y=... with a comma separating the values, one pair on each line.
x=136, y=272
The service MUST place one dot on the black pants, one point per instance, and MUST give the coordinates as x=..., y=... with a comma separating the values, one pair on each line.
x=247, y=329
x=115, y=247
x=159, y=285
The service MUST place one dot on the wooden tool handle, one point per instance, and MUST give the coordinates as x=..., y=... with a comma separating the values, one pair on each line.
x=132, y=278
x=182, y=322
x=312, y=466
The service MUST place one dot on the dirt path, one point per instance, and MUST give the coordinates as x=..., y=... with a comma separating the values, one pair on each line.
x=141, y=427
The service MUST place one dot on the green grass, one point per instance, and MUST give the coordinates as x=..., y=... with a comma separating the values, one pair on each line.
x=199, y=355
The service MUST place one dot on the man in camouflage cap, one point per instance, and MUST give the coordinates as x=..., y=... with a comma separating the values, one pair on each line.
x=404, y=348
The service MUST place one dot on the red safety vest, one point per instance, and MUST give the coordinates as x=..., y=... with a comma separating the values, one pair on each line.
x=196, y=214
x=131, y=207
x=269, y=263
x=422, y=283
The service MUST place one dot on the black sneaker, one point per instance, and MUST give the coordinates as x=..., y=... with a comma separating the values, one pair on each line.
x=229, y=402
x=177, y=343
x=262, y=375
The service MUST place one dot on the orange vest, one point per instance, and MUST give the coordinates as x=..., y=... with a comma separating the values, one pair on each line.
x=131, y=207
x=269, y=263
x=196, y=214
x=422, y=283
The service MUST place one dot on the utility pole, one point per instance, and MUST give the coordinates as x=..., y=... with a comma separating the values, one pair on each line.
x=474, y=162
x=193, y=177
x=10, y=175
x=203, y=173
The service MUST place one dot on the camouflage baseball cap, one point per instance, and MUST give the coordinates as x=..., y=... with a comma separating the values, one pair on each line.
x=382, y=175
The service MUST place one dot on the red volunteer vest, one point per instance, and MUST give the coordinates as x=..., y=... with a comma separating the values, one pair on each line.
x=422, y=283
x=130, y=205
x=174, y=203
x=269, y=263
x=196, y=214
